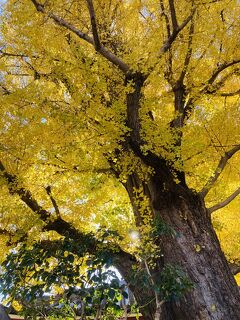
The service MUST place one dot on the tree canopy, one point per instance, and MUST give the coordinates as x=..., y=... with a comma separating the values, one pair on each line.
x=69, y=140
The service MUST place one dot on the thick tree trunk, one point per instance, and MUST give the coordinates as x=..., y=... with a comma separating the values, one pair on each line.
x=3, y=314
x=195, y=248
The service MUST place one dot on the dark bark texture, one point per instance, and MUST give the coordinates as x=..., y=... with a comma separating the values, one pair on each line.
x=195, y=248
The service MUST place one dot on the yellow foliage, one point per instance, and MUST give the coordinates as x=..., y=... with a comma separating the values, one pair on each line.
x=16, y=305
x=63, y=112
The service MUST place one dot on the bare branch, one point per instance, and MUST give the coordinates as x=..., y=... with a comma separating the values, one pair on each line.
x=91, y=10
x=102, y=50
x=5, y=90
x=189, y=52
x=217, y=71
x=54, y=203
x=221, y=165
x=225, y=202
x=212, y=89
x=166, y=18
x=173, y=15
x=168, y=73
x=229, y=94
x=8, y=54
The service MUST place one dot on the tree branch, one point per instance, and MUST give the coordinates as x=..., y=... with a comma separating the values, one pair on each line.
x=189, y=52
x=225, y=202
x=8, y=54
x=91, y=10
x=228, y=94
x=102, y=50
x=209, y=88
x=168, y=73
x=166, y=18
x=212, y=89
x=5, y=90
x=59, y=225
x=221, y=165
x=175, y=33
x=66, y=229
x=3, y=313
x=173, y=15
x=12, y=235
x=167, y=44
x=6, y=232
x=54, y=203
x=25, y=195
x=217, y=71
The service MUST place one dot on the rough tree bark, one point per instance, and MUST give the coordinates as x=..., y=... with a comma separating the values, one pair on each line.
x=195, y=248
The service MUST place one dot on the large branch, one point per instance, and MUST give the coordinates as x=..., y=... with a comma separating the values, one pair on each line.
x=217, y=85
x=221, y=165
x=121, y=259
x=91, y=10
x=221, y=68
x=59, y=225
x=224, y=203
x=99, y=48
x=25, y=195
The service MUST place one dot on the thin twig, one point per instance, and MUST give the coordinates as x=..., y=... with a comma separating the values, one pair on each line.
x=216, y=72
x=224, y=203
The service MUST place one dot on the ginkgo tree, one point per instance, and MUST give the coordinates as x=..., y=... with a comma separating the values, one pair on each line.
x=125, y=115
